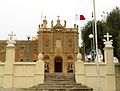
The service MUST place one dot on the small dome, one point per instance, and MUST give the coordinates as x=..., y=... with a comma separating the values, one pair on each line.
x=45, y=21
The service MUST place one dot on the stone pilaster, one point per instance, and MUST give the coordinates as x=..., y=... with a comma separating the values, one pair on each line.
x=39, y=75
x=51, y=42
x=110, y=66
x=76, y=43
x=40, y=42
x=65, y=43
x=79, y=70
x=8, y=71
x=110, y=69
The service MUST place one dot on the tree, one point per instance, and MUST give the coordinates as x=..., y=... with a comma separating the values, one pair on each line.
x=111, y=25
x=88, y=29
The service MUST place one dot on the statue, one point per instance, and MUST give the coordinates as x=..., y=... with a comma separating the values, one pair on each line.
x=64, y=23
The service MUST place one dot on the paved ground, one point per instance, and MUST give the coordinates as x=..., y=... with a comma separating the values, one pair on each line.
x=11, y=89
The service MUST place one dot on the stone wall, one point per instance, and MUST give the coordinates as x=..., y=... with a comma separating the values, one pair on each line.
x=91, y=75
x=99, y=75
x=117, y=75
x=88, y=75
x=20, y=74
x=1, y=74
x=24, y=75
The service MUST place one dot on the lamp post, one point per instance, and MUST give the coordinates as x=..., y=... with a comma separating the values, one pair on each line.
x=28, y=49
x=93, y=30
x=91, y=37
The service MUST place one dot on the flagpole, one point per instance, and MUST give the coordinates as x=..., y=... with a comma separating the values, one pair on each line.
x=96, y=45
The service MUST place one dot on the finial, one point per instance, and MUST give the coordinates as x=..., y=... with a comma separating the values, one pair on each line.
x=58, y=21
x=108, y=42
x=39, y=25
x=11, y=42
x=58, y=17
x=79, y=56
x=45, y=22
x=64, y=23
x=77, y=26
x=51, y=23
x=107, y=36
x=45, y=17
x=40, y=56
x=11, y=36
x=74, y=25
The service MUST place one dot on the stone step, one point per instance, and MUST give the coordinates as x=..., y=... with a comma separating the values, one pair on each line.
x=59, y=85
x=52, y=89
x=59, y=89
x=58, y=82
x=59, y=76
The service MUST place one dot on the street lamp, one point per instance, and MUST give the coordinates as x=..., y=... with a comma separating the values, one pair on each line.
x=28, y=37
x=91, y=37
x=28, y=49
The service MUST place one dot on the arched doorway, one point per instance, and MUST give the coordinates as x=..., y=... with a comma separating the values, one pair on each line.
x=58, y=64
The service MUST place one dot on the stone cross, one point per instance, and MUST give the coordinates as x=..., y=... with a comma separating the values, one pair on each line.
x=108, y=42
x=58, y=16
x=108, y=36
x=11, y=35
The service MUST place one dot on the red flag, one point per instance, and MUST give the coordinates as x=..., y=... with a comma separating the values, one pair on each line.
x=80, y=17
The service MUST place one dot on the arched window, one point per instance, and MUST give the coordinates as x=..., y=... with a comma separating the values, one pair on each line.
x=69, y=57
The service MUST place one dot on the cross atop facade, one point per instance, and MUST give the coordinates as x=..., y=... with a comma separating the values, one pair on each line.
x=11, y=35
x=58, y=16
x=108, y=36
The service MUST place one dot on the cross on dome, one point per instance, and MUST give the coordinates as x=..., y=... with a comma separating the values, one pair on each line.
x=108, y=36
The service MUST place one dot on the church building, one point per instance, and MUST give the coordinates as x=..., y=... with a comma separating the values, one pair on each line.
x=58, y=44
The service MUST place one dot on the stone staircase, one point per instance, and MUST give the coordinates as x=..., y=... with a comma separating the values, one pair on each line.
x=59, y=82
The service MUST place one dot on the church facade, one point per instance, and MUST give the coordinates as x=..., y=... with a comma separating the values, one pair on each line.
x=58, y=44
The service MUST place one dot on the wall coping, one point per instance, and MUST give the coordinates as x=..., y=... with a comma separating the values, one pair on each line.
x=117, y=64
x=94, y=64
x=24, y=63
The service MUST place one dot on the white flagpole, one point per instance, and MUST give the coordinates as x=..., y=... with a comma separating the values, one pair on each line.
x=96, y=45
